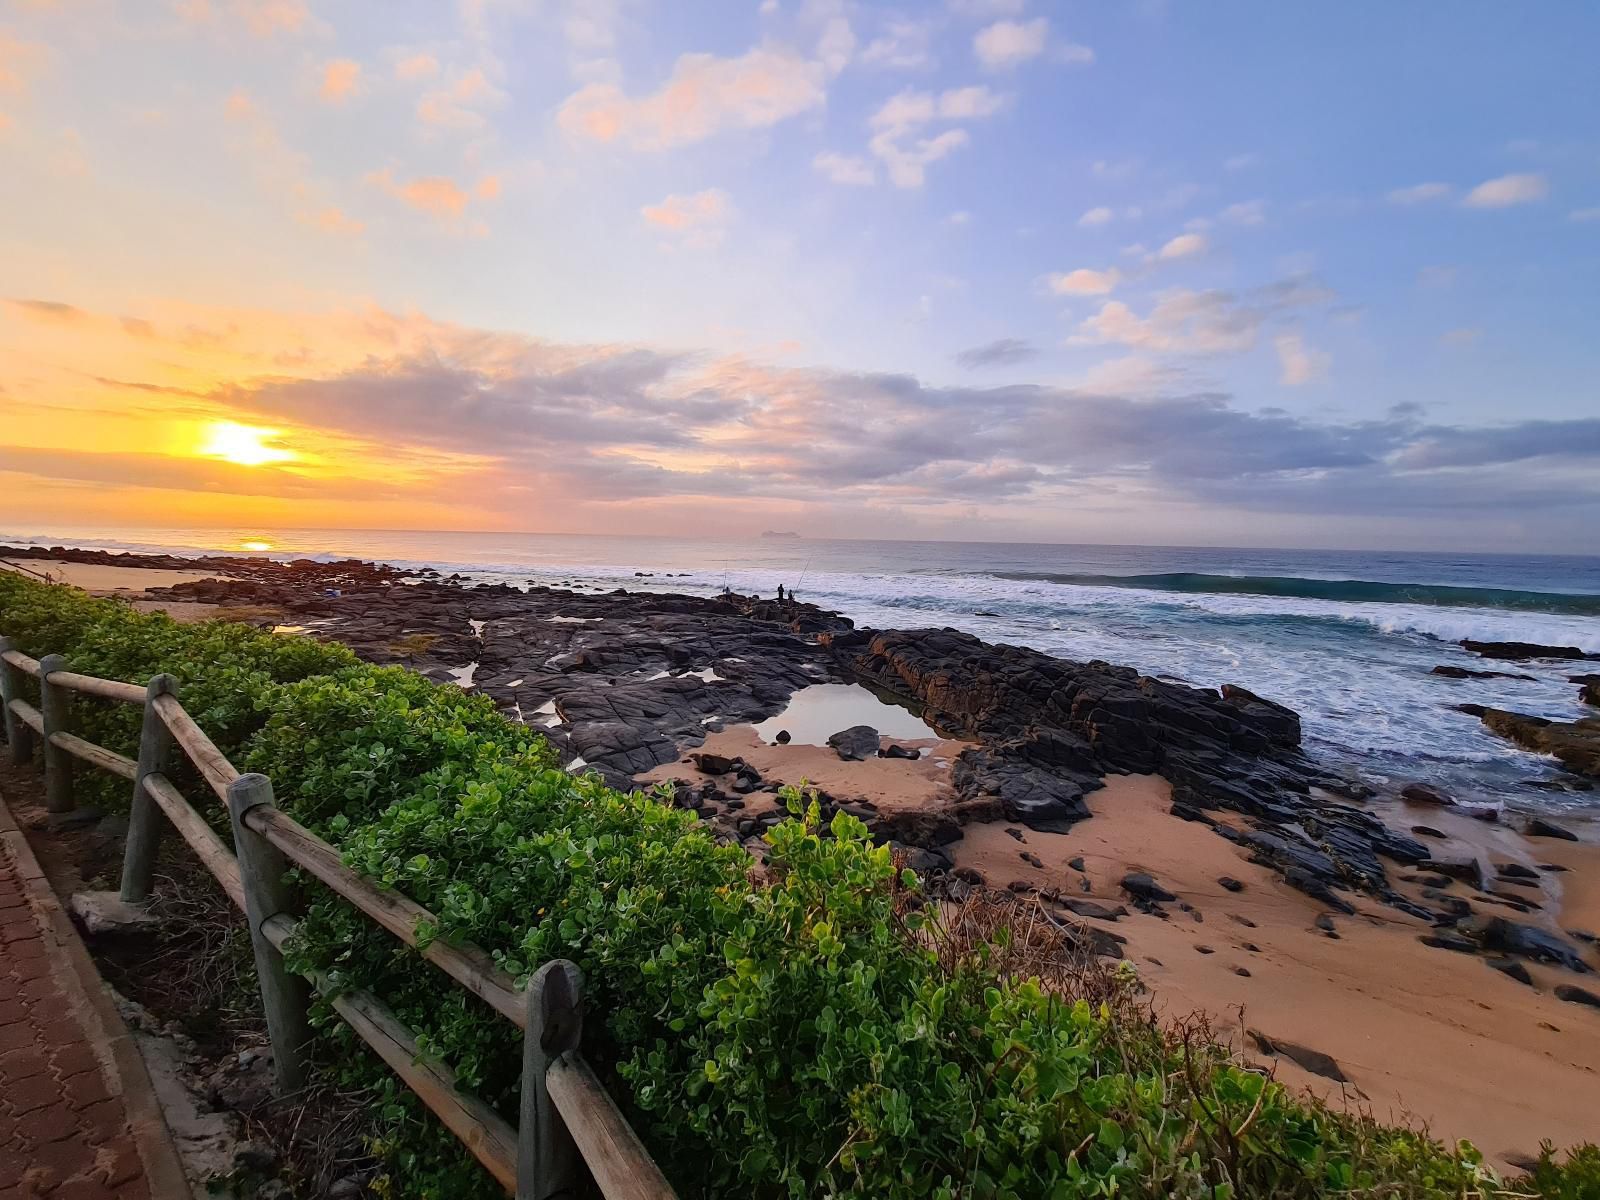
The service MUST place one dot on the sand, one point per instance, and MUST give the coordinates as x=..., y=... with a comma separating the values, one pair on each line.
x=127, y=583
x=1423, y=1035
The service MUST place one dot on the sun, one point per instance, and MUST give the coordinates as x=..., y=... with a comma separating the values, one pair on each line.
x=246, y=445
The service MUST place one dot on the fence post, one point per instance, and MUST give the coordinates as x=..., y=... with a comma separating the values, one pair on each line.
x=19, y=738
x=55, y=703
x=261, y=872
x=145, y=816
x=547, y=1160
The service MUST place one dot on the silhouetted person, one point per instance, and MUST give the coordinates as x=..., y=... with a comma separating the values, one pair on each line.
x=780, y=593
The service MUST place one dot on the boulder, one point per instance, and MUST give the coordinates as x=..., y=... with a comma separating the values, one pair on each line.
x=855, y=744
x=1576, y=744
x=1304, y=1057
x=1142, y=887
x=1422, y=793
x=1505, y=936
x=1541, y=828
x=1515, y=651
x=1573, y=994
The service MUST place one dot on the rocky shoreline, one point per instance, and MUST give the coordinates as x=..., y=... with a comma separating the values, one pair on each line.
x=632, y=684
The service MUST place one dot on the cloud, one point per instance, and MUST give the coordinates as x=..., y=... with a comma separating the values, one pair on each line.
x=907, y=154
x=1185, y=245
x=1002, y=352
x=1507, y=190
x=437, y=195
x=845, y=168
x=1084, y=282
x=837, y=44
x=1419, y=193
x=463, y=105
x=699, y=218
x=1246, y=213
x=904, y=45
x=416, y=66
x=50, y=311
x=260, y=18
x=1584, y=214
x=1465, y=336
x=1206, y=323
x=1096, y=217
x=340, y=79
x=1007, y=44
x=20, y=62
x=705, y=95
x=1298, y=363
x=333, y=220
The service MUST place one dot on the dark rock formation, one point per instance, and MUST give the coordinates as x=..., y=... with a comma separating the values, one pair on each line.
x=1519, y=651
x=856, y=743
x=1450, y=672
x=1575, y=743
x=1421, y=793
x=1304, y=1057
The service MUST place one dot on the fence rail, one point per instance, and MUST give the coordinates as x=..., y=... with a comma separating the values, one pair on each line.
x=567, y=1117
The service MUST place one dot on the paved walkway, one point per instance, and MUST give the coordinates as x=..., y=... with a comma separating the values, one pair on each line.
x=65, y=1130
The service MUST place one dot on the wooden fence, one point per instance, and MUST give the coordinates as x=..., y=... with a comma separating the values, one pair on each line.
x=568, y=1125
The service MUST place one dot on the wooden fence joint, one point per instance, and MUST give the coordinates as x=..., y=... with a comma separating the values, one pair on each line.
x=547, y=1158
x=19, y=737
x=144, y=814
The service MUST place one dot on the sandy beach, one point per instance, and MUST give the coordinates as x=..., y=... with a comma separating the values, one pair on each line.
x=125, y=583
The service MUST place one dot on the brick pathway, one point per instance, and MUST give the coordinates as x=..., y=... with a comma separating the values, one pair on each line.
x=63, y=1128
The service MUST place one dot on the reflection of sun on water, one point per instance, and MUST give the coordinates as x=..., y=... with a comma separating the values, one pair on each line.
x=246, y=445
x=255, y=545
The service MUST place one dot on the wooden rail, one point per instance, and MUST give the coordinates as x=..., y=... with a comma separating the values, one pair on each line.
x=567, y=1117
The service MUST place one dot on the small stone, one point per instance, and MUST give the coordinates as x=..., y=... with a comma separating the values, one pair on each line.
x=1515, y=871
x=1427, y=831
x=1446, y=941
x=1231, y=884
x=107, y=912
x=1422, y=793
x=782, y=737
x=1539, y=827
x=1511, y=967
x=1245, y=921
x=1573, y=994
x=1142, y=887
x=1076, y=864
x=1204, y=950
x=253, y=1156
x=1016, y=833
x=1242, y=972
x=1031, y=859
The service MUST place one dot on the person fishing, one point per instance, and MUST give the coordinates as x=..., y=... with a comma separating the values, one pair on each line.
x=780, y=593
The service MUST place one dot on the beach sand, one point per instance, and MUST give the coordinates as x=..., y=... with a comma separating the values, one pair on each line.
x=127, y=583
x=1423, y=1035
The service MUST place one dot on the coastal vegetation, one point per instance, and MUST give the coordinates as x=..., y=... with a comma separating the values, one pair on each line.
x=816, y=1027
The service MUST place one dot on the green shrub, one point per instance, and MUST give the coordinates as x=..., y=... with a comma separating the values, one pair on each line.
x=806, y=1029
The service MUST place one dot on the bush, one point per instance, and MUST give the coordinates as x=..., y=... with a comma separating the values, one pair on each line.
x=813, y=1029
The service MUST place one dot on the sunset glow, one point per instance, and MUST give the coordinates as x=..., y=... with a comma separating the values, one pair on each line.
x=243, y=444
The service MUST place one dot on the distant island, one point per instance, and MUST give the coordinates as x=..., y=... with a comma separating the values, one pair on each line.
x=779, y=533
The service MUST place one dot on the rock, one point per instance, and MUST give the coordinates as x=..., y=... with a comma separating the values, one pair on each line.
x=1526, y=941
x=1511, y=870
x=715, y=764
x=1015, y=833
x=1231, y=884
x=782, y=737
x=1325, y=923
x=1142, y=887
x=274, y=1189
x=1031, y=859
x=107, y=913
x=1199, y=949
x=1575, y=744
x=1573, y=994
x=1464, y=673
x=1514, y=651
x=1428, y=831
x=855, y=744
x=1511, y=967
x=1092, y=908
x=1541, y=828
x=1448, y=941
x=253, y=1156
x=1421, y=793
x=1307, y=1059
x=916, y=827
x=1242, y=972
x=1464, y=867
x=1076, y=863
x=894, y=750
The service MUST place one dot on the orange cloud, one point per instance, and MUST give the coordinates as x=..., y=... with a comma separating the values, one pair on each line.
x=340, y=79
x=686, y=213
x=416, y=66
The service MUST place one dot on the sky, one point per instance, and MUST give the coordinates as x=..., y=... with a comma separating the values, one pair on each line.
x=1322, y=275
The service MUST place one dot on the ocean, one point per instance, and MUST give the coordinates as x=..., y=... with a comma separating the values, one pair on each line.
x=1346, y=638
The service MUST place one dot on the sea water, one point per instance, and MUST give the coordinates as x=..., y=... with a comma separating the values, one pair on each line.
x=1346, y=638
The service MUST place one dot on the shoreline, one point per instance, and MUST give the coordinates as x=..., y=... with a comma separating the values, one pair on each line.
x=1415, y=1029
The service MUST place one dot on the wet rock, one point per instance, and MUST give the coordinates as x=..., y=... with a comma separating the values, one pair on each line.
x=1573, y=994
x=1515, y=651
x=1541, y=828
x=1450, y=672
x=1422, y=793
x=916, y=827
x=1231, y=884
x=1449, y=941
x=1525, y=941
x=894, y=750
x=1575, y=744
x=1464, y=867
x=855, y=744
x=1076, y=863
x=1511, y=967
x=1142, y=887
x=1428, y=831
x=782, y=737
